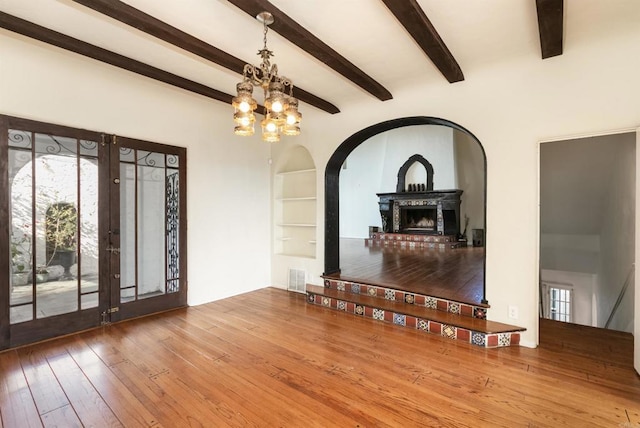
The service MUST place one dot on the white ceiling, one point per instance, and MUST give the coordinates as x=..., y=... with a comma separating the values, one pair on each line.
x=478, y=33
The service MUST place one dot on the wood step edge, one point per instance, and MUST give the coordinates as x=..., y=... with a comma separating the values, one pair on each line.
x=475, y=324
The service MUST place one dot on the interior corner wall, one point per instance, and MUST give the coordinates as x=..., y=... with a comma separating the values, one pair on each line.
x=470, y=179
x=44, y=83
x=617, y=233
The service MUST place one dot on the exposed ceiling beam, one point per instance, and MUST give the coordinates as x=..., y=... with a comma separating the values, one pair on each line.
x=299, y=36
x=34, y=31
x=412, y=17
x=550, y=25
x=146, y=23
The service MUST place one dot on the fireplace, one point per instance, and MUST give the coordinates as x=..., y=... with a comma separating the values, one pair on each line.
x=434, y=212
x=418, y=219
x=415, y=208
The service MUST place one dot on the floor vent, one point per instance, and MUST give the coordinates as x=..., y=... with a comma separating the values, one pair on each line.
x=297, y=281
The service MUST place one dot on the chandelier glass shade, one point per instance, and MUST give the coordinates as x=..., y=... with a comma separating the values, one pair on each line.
x=281, y=108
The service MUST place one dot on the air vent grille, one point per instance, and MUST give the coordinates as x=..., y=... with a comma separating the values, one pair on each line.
x=297, y=281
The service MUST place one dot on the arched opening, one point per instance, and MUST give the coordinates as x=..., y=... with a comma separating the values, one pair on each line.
x=337, y=160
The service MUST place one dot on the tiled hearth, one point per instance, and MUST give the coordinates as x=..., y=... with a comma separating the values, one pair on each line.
x=453, y=320
x=405, y=240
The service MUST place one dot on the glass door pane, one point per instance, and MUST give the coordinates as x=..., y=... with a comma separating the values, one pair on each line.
x=54, y=225
x=149, y=224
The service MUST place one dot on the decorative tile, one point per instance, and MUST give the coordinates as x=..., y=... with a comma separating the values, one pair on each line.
x=388, y=316
x=435, y=327
x=504, y=339
x=378, y=314
x=409, y=298
x=311, y=298
x=359, y=310
x=466, y=310
x=463, y=334
x=411, y=321
x=431, y=302
x=350, y=307
x=326, y=301
x=368, y=312
x=341, y=287
x=342, y=305
x=478, y=339
x=515, y=339
x=449, y=331
x=454, y=307
x=419, y=300
x=371, y=291
x=442, y=305
x=492, y=340
x=390, y=294
x=400, y=319
x=334, y=303
x=399, y=296
x=327, y=283
x=423, y=325
x=318, y=299
x=479, y=313
x=355, y=288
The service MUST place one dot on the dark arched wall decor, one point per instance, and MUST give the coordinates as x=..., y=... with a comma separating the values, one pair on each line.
x=332, y=182
x=402, y=173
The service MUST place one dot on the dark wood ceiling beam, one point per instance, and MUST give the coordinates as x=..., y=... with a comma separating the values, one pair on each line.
x=412, y=17
x=34, y=31
x=551, y=26
x=299, y=36
x=148, y=24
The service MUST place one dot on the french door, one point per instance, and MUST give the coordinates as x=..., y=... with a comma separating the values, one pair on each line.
x=92, y=229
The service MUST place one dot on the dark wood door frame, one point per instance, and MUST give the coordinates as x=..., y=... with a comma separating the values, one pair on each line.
x=332, y=182
x=44, y=328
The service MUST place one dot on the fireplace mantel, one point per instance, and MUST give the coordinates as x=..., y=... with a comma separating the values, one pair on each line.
x=445, y=203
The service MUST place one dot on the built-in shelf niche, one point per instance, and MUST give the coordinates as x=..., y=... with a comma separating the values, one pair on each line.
x=295, y=206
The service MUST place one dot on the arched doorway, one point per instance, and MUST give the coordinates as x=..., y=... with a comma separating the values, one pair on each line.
x=332, y=179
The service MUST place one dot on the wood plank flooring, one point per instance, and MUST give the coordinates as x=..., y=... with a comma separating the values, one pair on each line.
x=269, y=359
x=451, y=274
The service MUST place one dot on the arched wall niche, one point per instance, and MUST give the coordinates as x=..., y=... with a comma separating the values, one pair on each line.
x=332, y=179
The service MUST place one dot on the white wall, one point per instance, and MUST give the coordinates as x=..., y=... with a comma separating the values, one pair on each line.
x=617, y=238
x=567, y=252
x=470, y=177
x=510, y=107
x=373, y=168
x=48, y=84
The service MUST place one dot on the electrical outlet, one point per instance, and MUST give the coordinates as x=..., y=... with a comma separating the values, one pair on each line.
x=513, y=312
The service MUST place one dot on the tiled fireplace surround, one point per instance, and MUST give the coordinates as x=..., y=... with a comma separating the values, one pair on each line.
x=451, y=319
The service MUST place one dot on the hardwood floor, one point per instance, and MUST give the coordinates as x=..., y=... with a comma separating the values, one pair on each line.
x=267, y=358
x=451, y=274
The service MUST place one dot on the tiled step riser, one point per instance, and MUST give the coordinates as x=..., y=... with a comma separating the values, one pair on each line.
x=405, y=240
x=486, y=340
x=414, y=245
x=431, y=302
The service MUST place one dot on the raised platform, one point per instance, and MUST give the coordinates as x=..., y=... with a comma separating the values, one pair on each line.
x=451, y=319
x=406, y=240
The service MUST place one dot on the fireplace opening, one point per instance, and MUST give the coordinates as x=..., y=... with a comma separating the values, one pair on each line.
x=419, y=220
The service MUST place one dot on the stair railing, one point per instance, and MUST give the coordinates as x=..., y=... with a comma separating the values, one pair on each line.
x=621, y=295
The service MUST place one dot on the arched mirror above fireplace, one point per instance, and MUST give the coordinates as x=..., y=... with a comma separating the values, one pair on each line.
x=419, y=175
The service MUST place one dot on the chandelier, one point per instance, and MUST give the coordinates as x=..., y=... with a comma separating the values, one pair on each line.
x=281, y=109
